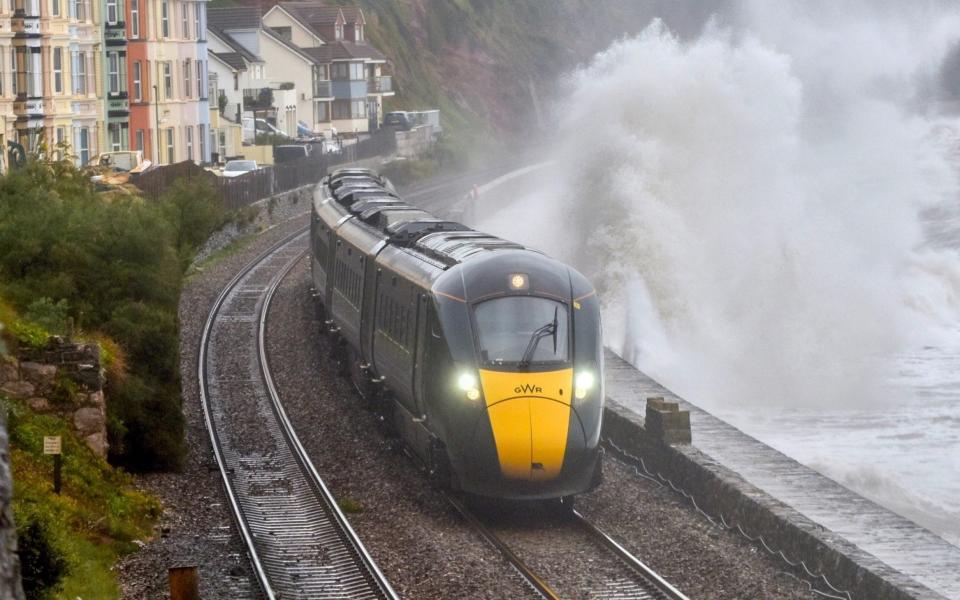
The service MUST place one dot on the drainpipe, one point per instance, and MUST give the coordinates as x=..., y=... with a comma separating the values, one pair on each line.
x=156, y=103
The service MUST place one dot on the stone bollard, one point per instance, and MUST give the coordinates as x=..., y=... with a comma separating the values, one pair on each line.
x=666, y=422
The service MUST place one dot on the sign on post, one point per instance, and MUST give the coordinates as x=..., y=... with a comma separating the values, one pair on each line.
x=51, y=444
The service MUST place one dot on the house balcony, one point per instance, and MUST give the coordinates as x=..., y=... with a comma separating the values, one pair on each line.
x=322, y=88
x=347, y=89
x=118, y=105
x=380, y=85
x=257, y=98
x=31, y=109
x=115, y=34
x=23, y=25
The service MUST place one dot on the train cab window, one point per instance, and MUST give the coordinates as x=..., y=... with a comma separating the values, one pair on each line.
x=524, y=330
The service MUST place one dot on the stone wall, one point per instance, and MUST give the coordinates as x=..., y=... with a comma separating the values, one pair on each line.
x=64, y=378
x=10, y=586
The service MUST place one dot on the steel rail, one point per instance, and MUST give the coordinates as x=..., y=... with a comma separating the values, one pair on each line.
x=377, y=584
x=350, y=536
x=531, y=578
x=662, y=585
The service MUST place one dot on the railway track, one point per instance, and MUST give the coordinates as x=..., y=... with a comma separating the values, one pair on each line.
x=299, y=542
x=620, y=576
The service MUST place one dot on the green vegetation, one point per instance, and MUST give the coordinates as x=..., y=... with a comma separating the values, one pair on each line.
x=68, y=543
x=110, y=269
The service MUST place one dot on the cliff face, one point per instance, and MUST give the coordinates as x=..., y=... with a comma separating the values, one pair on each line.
x=489, y=63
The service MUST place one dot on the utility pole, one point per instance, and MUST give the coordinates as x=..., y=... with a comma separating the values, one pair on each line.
x=156, y=104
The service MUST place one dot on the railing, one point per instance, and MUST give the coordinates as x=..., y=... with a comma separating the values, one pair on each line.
x=237, y=192
x=257, y=98
x=322, y=89
x=380, y=85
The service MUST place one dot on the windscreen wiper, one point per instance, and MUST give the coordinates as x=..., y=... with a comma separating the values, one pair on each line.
x=535, y=337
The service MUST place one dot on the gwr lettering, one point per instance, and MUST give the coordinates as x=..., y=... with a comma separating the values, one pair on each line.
x=528, y=388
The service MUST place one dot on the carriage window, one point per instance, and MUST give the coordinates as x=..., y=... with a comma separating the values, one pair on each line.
x=515, y=329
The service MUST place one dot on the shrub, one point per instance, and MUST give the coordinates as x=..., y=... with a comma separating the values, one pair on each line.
x=43, y=563
x=52, y=316
x=152, y=426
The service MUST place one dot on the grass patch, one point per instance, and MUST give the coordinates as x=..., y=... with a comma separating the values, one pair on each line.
x=349, y=505
x=235, y=246
x=93, y=522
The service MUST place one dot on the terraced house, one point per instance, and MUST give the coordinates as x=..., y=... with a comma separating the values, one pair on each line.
x=166, y=79
x=48, y=65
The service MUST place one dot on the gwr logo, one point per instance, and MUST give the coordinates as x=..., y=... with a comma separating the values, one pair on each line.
x=528, y=388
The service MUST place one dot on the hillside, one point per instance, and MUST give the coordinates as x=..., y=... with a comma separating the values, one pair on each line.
x=479, y=60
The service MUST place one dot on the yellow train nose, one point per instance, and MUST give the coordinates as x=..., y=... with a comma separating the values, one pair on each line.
x=530, y=415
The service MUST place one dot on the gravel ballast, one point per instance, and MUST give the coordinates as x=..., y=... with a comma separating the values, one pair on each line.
x=419, y=542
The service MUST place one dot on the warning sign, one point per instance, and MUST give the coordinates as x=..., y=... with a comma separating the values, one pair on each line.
x=51, y=444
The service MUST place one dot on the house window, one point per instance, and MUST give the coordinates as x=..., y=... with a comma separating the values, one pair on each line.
x=359, y=32
x=137, y=81
x=55, y=8
x=339, y=31
x=200, y=88
x=201, y=139
x=321, y=113
x=13, y=70
x=186, y=78
x=197, y=12
x=116, y=132
x=83, y=145
x=284, y=32
x=61, y=140
x=341, y=70
x=236, y=82
x=165, y=18
x=79, y=8
x=58, y=70
x=134, y=18
x=356, y=71
x=170, y=146
x=185, y=19
x=349, y=109
x=113, y=72
x=112, y=12
x=167, y=81
x=139, y=140
x=189, y=132
x=79, y=64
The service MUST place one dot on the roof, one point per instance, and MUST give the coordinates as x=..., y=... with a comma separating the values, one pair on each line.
x=353, y=14
x=235, y=45
x=315, y=13
x=235, y=17
x=232, y=59
x=320, y=54
x=348, y=50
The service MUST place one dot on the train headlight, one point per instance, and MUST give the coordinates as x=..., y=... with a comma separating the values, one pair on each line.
x=468, y=383
x=582, y=384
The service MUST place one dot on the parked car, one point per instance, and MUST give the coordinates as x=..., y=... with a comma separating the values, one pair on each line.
x=235, y=168
x=289, y=152
x=253, y=127
x=398, y=120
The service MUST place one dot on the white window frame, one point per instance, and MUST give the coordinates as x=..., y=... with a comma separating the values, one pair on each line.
x=140, y=141
x=197, y=13
x=200, y=86
x=55, y=8
x=189, y=134
x=83, y=145
x=137, y=81
x=185, y=20
x=187, y=77
x=170, y=145
x=167, y=68
x=114, y=7
x=202, y=142
x=57, y=61
x=113, y=72
x=135, y=19
x=165, y=18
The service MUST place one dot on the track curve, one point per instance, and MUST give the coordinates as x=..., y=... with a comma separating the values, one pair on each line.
x=299, y=542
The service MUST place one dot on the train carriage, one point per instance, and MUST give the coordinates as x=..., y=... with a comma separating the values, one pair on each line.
x=484, y=356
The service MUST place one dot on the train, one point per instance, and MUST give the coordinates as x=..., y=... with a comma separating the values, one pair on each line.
x=482, y=356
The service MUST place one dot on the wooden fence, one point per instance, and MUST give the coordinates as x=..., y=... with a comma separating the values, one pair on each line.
x=243, y=190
